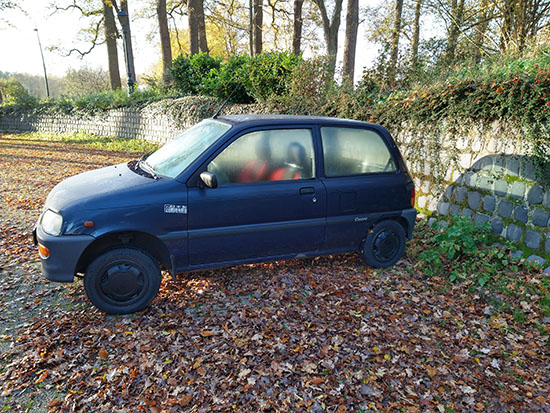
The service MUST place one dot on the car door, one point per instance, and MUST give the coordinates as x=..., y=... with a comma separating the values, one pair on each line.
x=362, y=181
x=268, y=203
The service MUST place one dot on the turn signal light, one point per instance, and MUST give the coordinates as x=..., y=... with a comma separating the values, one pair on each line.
x=88, y=224
x=413, y=197
x=43, y=251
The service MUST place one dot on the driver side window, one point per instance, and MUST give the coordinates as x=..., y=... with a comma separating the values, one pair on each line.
x=266, y=155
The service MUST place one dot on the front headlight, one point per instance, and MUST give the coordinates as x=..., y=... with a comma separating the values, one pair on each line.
x=51, y=222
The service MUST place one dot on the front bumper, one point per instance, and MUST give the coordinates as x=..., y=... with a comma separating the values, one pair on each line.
x=65, y=251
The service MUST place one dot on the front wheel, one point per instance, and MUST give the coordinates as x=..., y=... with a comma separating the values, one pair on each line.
x=384, y=244
x=122, y=281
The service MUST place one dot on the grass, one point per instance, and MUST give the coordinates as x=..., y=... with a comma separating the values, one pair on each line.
x=95, y=141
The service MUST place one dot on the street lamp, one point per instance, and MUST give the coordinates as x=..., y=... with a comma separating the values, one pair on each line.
x=125, y=23
x=43, y=64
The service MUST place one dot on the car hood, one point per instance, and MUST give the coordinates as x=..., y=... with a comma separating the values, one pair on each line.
x=88, y=189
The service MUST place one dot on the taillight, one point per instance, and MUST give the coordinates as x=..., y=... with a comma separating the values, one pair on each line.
x=413, y=197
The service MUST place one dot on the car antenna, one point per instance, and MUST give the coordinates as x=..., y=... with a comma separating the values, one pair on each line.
x=225, y=102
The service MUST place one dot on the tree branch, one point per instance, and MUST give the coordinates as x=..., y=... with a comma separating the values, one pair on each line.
x=94, y=42
x=77, y=7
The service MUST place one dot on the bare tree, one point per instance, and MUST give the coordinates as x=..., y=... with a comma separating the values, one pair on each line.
x=352, y=24
x=330, y=29
x=521, y=21
x=297, y=27
x=165, y=45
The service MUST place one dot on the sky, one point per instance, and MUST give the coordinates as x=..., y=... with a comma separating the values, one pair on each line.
x=58, y=31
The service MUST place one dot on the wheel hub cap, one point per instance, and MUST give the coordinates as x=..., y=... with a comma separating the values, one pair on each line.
x=386, y=245
x=122, y=282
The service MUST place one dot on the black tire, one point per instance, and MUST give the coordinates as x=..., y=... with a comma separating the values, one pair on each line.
x=122, y=281
x=384, y=244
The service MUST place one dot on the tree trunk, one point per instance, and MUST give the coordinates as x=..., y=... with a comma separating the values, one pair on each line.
x=330, y=29
x=297, y=32
x=193, y=27
x=352, y=23
x=395, y=41
x=416, y=33
x=258, y=23
x=165, y=46
x=481, y=29
x=203, y=44
x=457, y=11
x=522, y=23
x=111, y=35
x=507, y=23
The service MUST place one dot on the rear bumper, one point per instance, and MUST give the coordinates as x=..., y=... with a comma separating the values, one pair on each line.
x=410, y=217
x=65, y=251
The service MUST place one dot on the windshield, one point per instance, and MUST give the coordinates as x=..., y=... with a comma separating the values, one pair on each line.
x=176, y=155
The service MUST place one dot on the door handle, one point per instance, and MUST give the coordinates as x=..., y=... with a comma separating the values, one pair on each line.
x=307, y=190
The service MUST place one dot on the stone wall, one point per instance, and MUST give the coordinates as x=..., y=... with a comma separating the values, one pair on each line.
x=485, y=174
x=124, y=123
x=158, y=121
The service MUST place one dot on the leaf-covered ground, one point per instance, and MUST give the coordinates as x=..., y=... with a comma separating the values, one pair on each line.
x=327, y=334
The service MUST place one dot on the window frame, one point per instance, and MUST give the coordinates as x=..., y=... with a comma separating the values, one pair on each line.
x=364, y=174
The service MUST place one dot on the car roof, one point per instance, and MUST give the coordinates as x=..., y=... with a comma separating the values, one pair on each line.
x=273, y=119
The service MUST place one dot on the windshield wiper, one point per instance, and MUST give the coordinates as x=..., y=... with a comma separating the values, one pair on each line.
x=143, y=165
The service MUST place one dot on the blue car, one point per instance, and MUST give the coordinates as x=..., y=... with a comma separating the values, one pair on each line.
x=228, y=191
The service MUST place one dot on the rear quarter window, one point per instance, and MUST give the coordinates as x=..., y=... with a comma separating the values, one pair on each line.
x=353, y=151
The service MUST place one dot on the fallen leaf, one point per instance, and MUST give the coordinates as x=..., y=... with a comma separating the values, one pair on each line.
x=316, y=381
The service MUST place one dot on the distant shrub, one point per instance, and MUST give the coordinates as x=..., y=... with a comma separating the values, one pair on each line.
x=97, y=102
x=84, y=81
x=12, y=92
x=190, y=72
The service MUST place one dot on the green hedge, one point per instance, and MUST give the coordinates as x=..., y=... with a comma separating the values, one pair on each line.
x=242, y=79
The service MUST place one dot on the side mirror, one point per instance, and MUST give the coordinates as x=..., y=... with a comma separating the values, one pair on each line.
x=209, y=179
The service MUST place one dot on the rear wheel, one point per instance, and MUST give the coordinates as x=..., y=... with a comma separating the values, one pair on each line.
x=384, y=244
x=122, y=281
